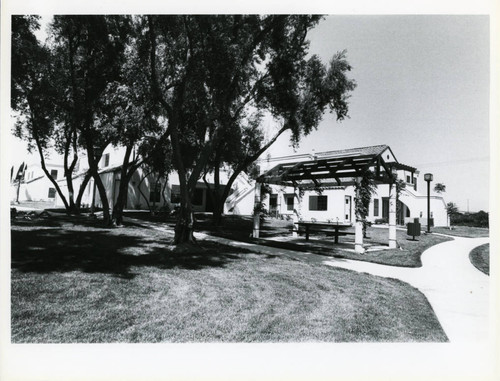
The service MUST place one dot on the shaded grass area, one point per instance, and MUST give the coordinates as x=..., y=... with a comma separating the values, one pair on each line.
x=76, y=283
x=480, y=258
x=408, y=255
x=463, y=231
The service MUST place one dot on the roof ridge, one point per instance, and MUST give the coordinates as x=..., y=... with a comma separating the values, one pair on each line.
x=354, y=149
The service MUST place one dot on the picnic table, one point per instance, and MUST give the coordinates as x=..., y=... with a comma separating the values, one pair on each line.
x=330, y=227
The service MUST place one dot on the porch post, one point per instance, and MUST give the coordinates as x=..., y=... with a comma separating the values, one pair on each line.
x=392, y=216
x=358, y=238
x=296, y=213
x=358, y=232
x=256, y=211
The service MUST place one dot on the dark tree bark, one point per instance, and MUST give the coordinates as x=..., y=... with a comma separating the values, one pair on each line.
x=127, y=171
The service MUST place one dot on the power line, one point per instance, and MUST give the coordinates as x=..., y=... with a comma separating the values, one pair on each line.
x=453, y=162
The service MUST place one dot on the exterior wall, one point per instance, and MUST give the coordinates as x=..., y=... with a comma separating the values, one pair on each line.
x=36, y=184
x=336, y=208
x=413, y=203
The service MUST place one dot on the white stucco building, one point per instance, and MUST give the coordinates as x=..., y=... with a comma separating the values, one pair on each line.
x=334, y=203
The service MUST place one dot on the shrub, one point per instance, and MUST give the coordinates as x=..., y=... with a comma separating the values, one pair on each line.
x=479, y=219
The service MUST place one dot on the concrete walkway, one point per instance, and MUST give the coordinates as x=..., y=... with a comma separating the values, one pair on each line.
x=456, y=290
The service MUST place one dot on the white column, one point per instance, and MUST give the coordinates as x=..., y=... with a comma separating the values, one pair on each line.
x=358, y=232
x=296, y=212
x=256, y=214
x=392, y=216
x=358, y=237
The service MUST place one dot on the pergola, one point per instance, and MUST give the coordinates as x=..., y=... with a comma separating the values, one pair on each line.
x=334, y=171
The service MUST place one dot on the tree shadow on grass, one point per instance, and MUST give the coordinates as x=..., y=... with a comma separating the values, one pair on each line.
x=59, y=250
x=62, y=219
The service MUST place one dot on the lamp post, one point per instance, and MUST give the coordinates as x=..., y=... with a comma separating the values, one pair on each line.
x=428, y=178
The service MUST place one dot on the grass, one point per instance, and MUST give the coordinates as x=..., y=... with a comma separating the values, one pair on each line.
x=463, y=231
x=480, y=258
x=239, y=228
x=73, y=282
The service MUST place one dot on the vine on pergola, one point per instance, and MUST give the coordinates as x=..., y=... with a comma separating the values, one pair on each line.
x=364, y=187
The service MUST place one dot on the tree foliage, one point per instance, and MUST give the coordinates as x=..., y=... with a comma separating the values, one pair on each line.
x=439, y=188
x=215, y=75
x=90, y=51
x=35, y=99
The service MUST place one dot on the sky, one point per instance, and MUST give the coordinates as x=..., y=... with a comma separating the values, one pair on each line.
x=422, y=88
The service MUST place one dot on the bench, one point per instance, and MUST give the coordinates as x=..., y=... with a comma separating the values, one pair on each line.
x=325, y=227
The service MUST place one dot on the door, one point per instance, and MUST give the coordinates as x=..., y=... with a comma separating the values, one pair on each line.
x=347, y=209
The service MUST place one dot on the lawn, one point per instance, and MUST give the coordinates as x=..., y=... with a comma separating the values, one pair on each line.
x=74, y=282
x=463, y=231
x=406, y=255
x=480, y=258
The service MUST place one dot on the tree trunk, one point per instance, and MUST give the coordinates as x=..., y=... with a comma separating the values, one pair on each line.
x=219, y=206
x=68, y=173
x=140, y=191
x=117, y=215
x=49, y=176
x=163, y=191
x=104, y=198
x=83, y=185
x=94, y=170
x=184, y=227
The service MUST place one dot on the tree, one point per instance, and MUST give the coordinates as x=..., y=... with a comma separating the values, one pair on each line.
x=34, y=97
x=91, y=50
x=136, y=127
x=209, y=73
x=439, y=188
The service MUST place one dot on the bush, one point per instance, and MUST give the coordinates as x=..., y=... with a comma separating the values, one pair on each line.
x=379, y=221
x=479, y=219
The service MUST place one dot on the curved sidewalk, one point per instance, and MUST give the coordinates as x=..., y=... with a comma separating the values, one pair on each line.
x=456, y=290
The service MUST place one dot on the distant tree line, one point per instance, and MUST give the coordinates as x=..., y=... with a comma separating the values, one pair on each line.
x=479, y=219
x=179, y=92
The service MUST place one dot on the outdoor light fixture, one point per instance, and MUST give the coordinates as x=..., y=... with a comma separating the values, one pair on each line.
x=428, y=178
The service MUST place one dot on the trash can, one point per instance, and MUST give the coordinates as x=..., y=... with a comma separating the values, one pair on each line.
x=413, y=228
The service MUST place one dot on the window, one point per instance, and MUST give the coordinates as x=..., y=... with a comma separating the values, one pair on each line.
x=106, y=160
x=289, y=202
x=318, y=202
x=53, y=173
x=408, y=179
x=375, y=207
x=52, y=192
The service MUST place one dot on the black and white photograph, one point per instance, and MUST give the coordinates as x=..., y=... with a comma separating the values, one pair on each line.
x=248, y=195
